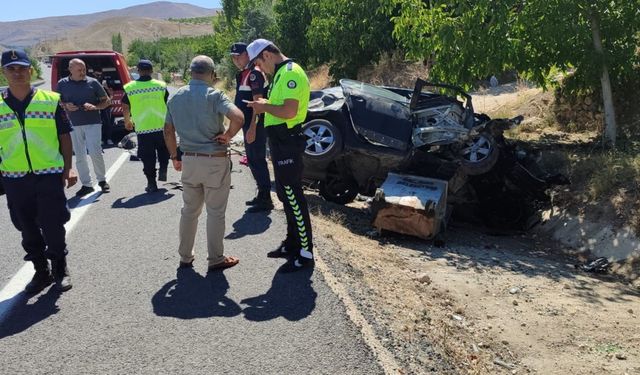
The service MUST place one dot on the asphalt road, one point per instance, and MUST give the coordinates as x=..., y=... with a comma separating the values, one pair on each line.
x=132, y=312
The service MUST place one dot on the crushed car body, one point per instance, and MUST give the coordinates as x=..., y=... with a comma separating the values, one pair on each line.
x=358, y=133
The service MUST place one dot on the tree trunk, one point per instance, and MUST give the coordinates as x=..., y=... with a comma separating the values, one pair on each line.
x=610, y=128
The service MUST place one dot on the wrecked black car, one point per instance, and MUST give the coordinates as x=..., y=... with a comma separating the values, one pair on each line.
x=357, y=133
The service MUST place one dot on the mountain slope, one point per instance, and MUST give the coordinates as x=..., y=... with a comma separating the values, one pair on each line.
x=98, y=35
x=29, y=32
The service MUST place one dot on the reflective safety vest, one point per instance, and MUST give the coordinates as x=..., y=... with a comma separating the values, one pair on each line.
x=32, y=146
x=289, y=82
x=148, y=109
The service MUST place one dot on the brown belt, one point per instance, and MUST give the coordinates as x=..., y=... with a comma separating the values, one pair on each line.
x=219, y=154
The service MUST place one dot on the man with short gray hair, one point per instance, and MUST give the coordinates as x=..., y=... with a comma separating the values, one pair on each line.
x=196, y=112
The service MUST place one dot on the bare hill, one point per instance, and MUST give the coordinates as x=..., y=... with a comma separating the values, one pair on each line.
x=98, y=35
x=29, y=32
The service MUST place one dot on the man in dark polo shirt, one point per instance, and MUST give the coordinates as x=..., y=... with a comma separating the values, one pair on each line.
x=83, y=97
x=251, y=85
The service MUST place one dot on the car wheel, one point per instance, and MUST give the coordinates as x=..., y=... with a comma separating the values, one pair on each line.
x=323, y=140
x=339, y=190
x=479, y=155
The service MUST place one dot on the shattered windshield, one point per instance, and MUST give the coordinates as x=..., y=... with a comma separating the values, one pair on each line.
x=349, y=86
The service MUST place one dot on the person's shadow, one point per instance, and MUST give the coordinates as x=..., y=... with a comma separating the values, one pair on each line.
x=192, y=296
x=144, y=199
x=291, y=296
x=23, y=315
x=250, y=224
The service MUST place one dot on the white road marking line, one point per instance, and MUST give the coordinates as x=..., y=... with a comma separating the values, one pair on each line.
x=25, y=273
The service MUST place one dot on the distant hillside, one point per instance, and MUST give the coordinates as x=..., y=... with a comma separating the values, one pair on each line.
x=98, y=35
x=29, y=32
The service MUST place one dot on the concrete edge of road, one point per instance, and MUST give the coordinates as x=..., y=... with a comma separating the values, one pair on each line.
x=385, y=359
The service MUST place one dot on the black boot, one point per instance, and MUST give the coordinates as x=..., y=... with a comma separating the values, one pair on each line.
x=162, y=174
x=152, y=187
x=61, y=274
x=263, y=202
x=41, y=279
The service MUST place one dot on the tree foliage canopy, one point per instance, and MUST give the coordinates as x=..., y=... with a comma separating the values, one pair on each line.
x=470, y=40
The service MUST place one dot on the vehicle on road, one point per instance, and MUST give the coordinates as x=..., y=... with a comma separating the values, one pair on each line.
x=115, y=73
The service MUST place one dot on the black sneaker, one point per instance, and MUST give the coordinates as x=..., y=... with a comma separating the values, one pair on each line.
x=40, y=280
x=61, y=275
x=84, y=190
x=281, y=252
x=184, y=265
x=104, y=186
x=252, y=202
x=296, y=264
x=162, y=175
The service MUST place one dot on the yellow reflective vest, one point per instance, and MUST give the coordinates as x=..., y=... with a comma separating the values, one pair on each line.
x=148, y=109
x=32, y=146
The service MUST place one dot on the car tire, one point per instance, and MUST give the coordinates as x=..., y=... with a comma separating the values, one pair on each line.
x=479, y=155
x=339, y=190
x=323, y=140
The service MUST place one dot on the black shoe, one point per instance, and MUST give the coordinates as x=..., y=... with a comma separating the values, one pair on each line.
x=40, y=280
x=84, y=190
x=162, y=175
x=184, y=265
x=296, y=264
x=255, y=200
x=281, y=252
x=261, y=206
x=152, y=187
x=104, y=186
x=61, y=275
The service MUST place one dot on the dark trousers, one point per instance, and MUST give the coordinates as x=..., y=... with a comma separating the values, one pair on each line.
x=257, y=157
x=150, y=145
x=107, y=124
x=286, y=155
x=38, y=209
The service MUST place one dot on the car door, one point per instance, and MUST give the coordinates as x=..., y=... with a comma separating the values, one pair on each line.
x=379, y=115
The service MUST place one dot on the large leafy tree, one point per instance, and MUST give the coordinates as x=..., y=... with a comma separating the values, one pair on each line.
x=293, y=18
x=596, y=39
x=349, y=34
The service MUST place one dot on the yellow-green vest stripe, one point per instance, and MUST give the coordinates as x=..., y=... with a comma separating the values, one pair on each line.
x=290, y=78
x=148, y=109
x=40, y=136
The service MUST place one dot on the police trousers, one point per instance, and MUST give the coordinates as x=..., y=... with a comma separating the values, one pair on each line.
x=151, y=147
x=287, y=147
x=39, y=210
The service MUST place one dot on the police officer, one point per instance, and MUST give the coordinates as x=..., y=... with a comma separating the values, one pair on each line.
x=144, y=106
x=251, y=85
x=285, y=110
x=36, y=152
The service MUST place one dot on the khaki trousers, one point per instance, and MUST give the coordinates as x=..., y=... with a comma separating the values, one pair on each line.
x=205, y=181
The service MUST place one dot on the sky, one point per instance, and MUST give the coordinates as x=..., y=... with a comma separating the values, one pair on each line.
x=18, y=10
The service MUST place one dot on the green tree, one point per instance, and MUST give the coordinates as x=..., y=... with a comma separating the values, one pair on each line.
x=349, y=34
x=116, y=42
x=293, y=18
x=468, y=40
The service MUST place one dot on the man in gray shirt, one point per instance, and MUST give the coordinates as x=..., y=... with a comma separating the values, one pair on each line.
x=196, y=112
x=83, y=97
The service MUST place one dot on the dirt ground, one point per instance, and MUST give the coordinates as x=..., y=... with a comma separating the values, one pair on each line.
x=480, y=304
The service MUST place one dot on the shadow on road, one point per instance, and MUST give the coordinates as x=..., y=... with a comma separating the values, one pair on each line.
x=291, y=296
x=141, y=200
x=192, y=296
x=25, y=315
x=250, y=224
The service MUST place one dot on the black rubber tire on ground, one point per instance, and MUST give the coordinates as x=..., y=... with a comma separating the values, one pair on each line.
x=485, y=151
x=323, y=140
x=339, y=190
